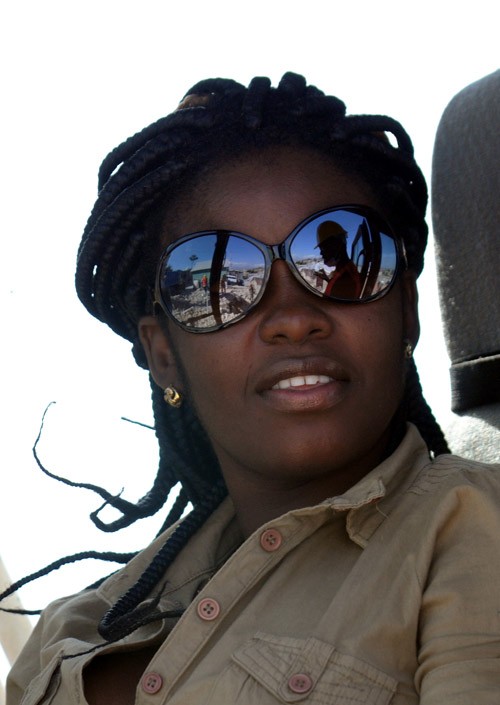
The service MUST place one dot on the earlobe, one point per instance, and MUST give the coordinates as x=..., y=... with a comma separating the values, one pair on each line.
x=411, y=323
x=161, y=360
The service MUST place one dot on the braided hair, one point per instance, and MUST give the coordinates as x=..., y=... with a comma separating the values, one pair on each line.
x=219, y=119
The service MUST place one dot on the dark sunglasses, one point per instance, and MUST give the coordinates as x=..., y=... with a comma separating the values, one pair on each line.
x=211, y=279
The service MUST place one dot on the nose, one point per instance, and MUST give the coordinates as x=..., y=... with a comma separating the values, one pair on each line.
x=290, y=313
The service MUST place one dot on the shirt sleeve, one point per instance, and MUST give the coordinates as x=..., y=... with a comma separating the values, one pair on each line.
x=459, y=654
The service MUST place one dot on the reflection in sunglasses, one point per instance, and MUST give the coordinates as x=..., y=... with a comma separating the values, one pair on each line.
x=208, y=280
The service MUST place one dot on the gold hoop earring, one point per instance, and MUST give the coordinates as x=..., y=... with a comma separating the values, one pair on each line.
x=408, y=349
x=172, y=397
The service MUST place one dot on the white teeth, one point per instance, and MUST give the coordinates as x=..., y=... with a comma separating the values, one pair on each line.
x=302, y=381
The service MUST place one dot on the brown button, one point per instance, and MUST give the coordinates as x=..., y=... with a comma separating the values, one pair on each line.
x=300, y=683
x=208, y=609
x=271, y=540
x=151, y=682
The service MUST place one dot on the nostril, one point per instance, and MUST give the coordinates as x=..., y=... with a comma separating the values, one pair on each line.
x=294, y=323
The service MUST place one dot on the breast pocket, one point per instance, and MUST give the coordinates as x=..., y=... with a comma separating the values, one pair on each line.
x=309, y=671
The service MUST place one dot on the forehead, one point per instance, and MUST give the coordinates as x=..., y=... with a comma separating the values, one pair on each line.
x=265, y=194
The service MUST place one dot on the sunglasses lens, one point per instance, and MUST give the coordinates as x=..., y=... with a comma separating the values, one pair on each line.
x=345, y=255
x=211, y=279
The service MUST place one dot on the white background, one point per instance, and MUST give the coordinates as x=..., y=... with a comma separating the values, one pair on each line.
x=77, y=78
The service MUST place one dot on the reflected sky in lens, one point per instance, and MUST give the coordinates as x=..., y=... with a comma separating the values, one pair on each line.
x=239, y=254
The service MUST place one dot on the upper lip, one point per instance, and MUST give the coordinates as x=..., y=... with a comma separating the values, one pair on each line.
x=299, y=367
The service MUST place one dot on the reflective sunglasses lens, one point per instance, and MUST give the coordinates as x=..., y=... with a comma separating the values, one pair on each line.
x=211, y=280
x=345, y=256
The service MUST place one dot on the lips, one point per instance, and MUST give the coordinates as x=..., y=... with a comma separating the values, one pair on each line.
x=298, y=372
x=307, y=384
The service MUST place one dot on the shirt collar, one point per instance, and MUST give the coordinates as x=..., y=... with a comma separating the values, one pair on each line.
x=370, y=500
x=367, y=504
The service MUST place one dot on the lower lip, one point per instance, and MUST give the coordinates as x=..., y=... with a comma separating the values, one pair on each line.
x=317, y=397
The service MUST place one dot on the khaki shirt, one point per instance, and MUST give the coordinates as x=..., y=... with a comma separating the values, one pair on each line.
x=389, y=593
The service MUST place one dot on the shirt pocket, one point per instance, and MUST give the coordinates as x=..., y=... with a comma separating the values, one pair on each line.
x=43, y=688
x=310, y=671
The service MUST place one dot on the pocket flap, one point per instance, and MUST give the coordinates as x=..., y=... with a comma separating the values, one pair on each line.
x=311, y=670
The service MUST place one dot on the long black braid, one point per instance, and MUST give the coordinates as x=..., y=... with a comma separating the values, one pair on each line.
x=218, y=119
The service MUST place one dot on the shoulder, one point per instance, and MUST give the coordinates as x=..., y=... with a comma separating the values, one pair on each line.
x=69, y=625
x=447, y=472
x=456, y=502
x=75, y=618
x=67, y=621
x=453, y=486
x=76, y=615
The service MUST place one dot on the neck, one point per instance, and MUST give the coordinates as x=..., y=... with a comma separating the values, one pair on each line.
x=260, y=495
x=259, y=498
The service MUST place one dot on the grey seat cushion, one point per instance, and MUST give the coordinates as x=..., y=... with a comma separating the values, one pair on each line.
x=466, y=223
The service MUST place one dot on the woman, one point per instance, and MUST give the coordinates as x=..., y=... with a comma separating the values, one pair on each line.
x=354, y=560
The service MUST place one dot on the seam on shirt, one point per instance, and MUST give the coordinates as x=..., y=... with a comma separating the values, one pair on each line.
x=447, y=467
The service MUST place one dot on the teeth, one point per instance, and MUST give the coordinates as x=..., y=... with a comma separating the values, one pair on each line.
x=302, y=381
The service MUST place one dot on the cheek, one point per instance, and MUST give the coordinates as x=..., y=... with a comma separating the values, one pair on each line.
x=371, y=336
x=213, y=367
x=379, y=333
x=215, y=379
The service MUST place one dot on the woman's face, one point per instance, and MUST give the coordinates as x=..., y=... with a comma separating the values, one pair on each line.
x=332, y=430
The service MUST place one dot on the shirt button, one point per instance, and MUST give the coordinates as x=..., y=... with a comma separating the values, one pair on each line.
x=151, y=682
x=271, y=540
x=300, y=683
x=208, y=609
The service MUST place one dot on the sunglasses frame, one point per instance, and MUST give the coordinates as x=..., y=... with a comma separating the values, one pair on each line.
x=281, y=251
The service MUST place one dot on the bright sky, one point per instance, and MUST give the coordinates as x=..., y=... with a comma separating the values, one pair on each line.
x=79, y=78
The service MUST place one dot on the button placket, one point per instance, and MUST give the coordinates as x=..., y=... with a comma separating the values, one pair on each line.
x=208, y=610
